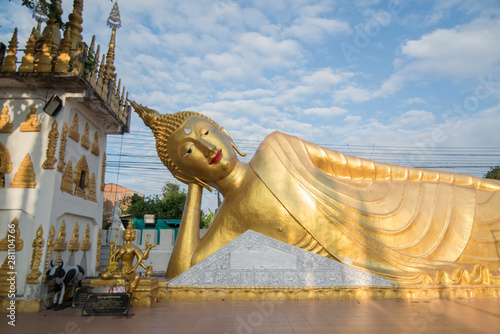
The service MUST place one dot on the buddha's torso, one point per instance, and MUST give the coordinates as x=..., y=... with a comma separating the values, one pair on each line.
x=235, y=217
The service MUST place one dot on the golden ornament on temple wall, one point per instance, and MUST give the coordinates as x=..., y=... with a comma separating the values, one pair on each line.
x=62, y=149
x=6, y=273
x=81, y=177
x=98, y=253
x=85, y=142
x=74, y=243
x=51, y=147
x=25, y=176
x=50, y=249
x=91, y=193
x=95, y=145
x=36, y=257
x=31, y=124
x=73, y=130
x=85, y=246
x=13, y=233
x=5, y=164
x=103, y=170
x=60, y=244
x=67, y=179
x=5, y=124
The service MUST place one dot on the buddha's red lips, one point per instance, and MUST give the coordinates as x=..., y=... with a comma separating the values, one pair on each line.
x=217, y=157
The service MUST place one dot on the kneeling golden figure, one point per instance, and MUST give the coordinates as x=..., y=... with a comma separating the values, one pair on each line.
x=409, y=225
x=127, y=253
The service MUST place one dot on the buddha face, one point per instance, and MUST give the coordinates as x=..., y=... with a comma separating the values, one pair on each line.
x=201, y=150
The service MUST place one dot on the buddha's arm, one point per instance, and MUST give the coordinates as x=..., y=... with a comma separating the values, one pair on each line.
x=189, y=232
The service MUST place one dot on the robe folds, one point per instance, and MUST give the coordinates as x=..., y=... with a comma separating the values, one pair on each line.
x=410, y=225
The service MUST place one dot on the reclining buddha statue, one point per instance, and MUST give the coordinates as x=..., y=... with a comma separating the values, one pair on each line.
x=408, y=225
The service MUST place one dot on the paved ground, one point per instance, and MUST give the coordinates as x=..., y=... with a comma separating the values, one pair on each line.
x=303, y=316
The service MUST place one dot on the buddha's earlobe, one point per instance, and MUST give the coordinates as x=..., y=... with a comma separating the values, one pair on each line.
x=232, y=143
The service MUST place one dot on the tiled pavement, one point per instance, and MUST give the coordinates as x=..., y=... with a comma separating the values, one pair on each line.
x=279, y=317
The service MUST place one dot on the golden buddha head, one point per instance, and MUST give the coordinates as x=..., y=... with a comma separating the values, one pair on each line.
x=192, y=146
x=129, y=233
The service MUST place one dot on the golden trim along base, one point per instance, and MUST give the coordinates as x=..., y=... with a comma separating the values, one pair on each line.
x=335, y=292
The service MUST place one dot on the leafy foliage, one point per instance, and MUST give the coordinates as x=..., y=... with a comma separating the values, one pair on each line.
x=206, y=219
x=493, y=173
x=168, y=205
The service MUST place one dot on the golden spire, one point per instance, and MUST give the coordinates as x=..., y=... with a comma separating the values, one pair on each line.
x=9, y=64
x=45, y=59
x=28, y=61
x=63, y=59
x=75, y=22
x=114, y=22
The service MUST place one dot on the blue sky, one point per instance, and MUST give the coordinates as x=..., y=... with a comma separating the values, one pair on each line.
x=415, y=83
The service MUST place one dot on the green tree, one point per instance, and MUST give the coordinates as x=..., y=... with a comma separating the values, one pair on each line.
x=206, y=219
x=169, y=206
x=493, y=173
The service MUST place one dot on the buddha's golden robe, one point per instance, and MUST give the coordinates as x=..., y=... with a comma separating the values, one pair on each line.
x=410, y=225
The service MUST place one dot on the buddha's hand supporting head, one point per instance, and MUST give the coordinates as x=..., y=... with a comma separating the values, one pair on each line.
x=192, y=146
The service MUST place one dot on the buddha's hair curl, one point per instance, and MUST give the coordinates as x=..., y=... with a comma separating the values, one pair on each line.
x=163, y=125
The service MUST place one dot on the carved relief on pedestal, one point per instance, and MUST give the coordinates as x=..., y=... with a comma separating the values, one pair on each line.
x=25, y=176
x=67, y=179
x=73, y=130
x=85, y=246
x=6, y=272
x=95, y=145
x=5, y=164
x=36, y=257
x=60, y=244
x=74, y=243
x=98, y=253
x=50, y=249
x=85, y=142
x=81, y=177
x=5, y=124
x=13, y=233
x=62, y=149
x=51, y=147
x=31, y=124
x=103, y=170
x=91, y=194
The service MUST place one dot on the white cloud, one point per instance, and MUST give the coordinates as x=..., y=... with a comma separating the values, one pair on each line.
x=414, y=118
x=331, y=111
x=464, y=51
x=352, y=119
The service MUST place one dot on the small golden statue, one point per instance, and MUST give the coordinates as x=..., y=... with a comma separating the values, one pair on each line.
x=51, y=147
x=73, y=130
x=62, y=149
x=409, y=225
x=5, y=124
x=36, y=257
x=127, y=253
x=31, y=124
x=85, y=141
x=95, y=145
x=50, y=249
x=60, y=243
x=85, y=245
x=74, y=243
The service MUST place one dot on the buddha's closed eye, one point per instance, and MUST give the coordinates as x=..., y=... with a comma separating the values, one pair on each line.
x=188, y=151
